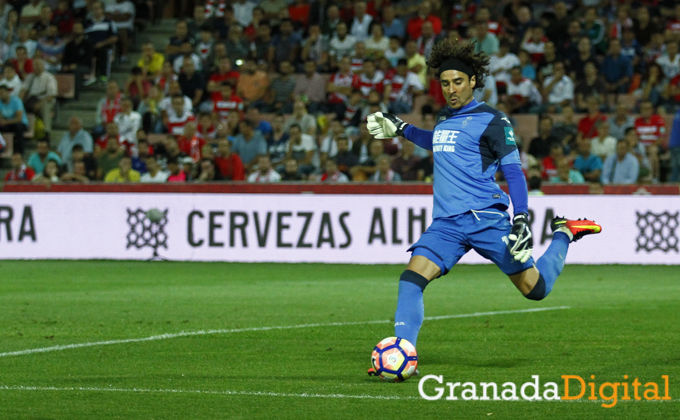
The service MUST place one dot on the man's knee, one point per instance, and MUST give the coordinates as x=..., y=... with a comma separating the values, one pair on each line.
x=538, y=291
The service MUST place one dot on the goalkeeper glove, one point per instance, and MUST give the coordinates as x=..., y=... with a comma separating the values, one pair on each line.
x=520, y=241
x=385, y=126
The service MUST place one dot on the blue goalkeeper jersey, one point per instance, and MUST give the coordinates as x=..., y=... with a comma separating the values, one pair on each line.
x=468, y=144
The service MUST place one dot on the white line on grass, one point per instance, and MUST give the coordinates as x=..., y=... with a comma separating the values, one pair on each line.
x=288, y=327
x=278, y=394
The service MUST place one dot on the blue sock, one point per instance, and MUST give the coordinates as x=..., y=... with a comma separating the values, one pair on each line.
x=550, y=266
x=410, y=307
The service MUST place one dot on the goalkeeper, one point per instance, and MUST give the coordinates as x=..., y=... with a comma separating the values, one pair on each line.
x=470, y=141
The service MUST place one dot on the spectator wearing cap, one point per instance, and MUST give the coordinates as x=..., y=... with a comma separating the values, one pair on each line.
x=74, y=136
x=12, y=116
x=103, y=35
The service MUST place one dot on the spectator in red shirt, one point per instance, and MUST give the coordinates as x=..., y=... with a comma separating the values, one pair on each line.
x=228, y=163
x=224, y=74
x=137, y=87
x=189, y=143
x=63, y=18
x=651, y=130
x=224, y=102
x=19, y=172
x=415, y=24
x=587, y=125
x=22, y=64
x=299, y=12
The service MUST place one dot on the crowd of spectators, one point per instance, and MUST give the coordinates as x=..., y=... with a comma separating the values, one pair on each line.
x=279, y=90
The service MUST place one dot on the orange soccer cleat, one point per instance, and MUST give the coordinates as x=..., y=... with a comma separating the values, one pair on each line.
x=575, y=229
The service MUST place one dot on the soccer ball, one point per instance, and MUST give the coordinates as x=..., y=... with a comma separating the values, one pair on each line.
x=394, y=359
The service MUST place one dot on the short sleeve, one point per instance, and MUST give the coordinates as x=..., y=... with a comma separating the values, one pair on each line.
x=500, y=136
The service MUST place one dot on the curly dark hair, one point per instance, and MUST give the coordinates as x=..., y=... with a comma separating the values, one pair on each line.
x=465, y=52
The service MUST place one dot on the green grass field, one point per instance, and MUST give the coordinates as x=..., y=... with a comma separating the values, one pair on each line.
x=620, y=320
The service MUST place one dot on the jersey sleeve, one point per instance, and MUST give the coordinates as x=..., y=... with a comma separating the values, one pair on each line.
x=419, y=137
x=500, y=137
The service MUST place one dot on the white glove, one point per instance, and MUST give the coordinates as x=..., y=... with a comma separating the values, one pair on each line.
x=385, y=126
x=520, y=242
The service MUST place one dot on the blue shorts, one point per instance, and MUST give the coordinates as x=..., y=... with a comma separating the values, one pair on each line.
x=448, y=239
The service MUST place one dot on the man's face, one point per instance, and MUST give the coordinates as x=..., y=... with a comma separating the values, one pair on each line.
x=457, y=88
x=672, y=48
x=359, y=8
x=79, y=168
x=333, y=12
x=46, y=13
x=112, y=90
x=277, y=124
x=178, y=105
x=286, y=28
x=264, y=164
x=584, y=46
x=199, y=12
x=78, y=29
x=556, y=152
x=74, y=125
x=125, y=165
x=78, y=155
x=126, y=106
x=286, y=68
x=331, y=167
x=590, y=70
x=190, y=130
x=614, y=47
x=646, y=109
x=225, y=65
x=4, y=94
x=299, y=108
x=38, y=66
x=621, y=149
x=383, y=165
x=593, y=105
x=343, y=145
x=310, y=68
x=369, y=68
x=341, y=29
x=546, y=125
x=97, y=10
x=21, y=54
x=516, y=75
x=224, y=147
x=188, y=66
x=376, y=147
x=143, y=149
x=151, y=164
x=245, y=129
x=411, y=48
x=43, y=149
x=583, y=146
x=112, y=145
x=345, y=65
x=296, y=133
x=52, y=31
x=148, y=50
x=112, y=129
